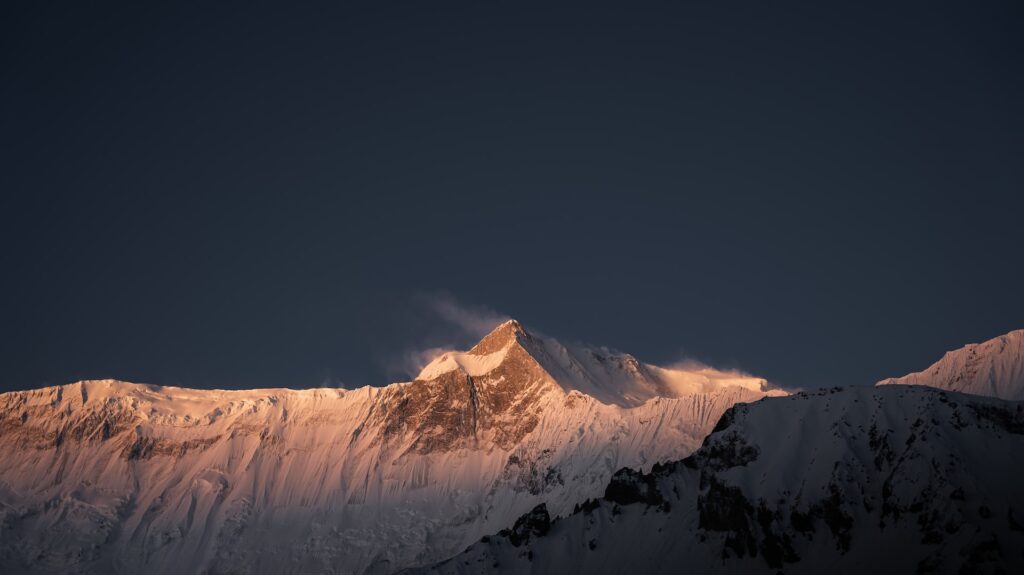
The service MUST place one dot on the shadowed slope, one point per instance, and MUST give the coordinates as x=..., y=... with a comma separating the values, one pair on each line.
x=896, y=479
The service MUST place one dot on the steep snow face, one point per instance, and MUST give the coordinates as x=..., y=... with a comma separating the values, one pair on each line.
x=107, y=476
x=897, y=479
x=994, y=368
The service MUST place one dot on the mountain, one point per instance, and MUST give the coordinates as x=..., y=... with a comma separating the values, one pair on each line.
x=994, y=368
x=108, y=476
x=892, y=479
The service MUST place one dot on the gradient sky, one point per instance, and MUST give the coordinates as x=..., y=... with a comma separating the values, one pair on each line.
x=247, y=195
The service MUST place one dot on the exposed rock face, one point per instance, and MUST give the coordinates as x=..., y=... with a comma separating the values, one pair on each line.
x=107, y=476
x=536, y=523
x=894, y=479
x=456, y=410
x=628, y=486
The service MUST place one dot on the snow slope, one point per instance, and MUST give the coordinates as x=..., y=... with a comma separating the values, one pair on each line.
x=108, y=476
x=994, y=368
x=894, y=479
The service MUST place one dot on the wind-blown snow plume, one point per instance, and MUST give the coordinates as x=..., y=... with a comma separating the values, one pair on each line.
x=414, y=360
x=474, y=321
x=454, y=326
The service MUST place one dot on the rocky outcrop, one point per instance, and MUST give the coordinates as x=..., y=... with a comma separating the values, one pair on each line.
x=536, y=523
x=629, y=486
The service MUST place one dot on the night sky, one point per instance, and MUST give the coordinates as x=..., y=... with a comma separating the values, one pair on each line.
x=250, y=196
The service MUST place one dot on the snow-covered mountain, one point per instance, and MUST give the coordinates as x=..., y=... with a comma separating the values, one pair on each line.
x=108, y=476
x=994, y=368
x=893, y=479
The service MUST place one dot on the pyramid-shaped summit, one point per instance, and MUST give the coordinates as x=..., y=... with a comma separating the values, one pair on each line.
x=500, y=337
x=505, y=343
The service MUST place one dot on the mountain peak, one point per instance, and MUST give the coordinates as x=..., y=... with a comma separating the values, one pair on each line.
x=994, y=368
x=499, y=338
x=485, y=356
x=609, y=376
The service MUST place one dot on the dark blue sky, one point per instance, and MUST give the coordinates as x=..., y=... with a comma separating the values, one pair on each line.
x=250, y=195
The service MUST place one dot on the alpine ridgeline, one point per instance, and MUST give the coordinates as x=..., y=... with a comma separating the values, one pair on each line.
x=107, y=476
x=994, y=368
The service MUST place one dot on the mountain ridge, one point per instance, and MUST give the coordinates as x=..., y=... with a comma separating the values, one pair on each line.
x=887, y=479
x=111, y=476
x=994, y=367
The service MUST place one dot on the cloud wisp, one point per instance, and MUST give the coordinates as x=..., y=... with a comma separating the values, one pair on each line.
x=474, y=321
x=453, y=325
